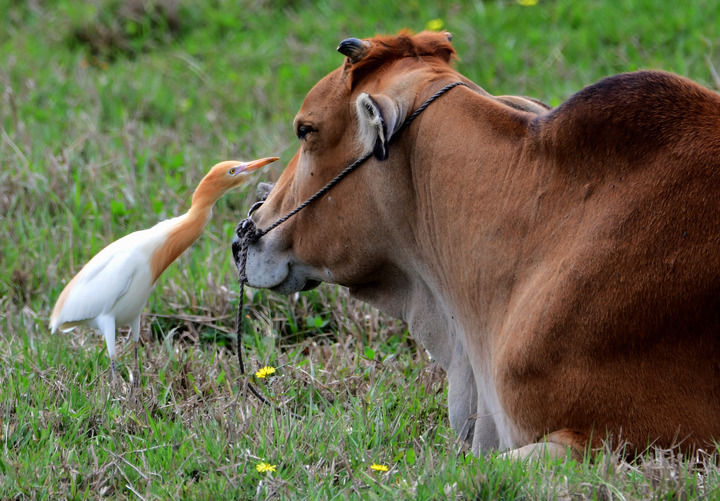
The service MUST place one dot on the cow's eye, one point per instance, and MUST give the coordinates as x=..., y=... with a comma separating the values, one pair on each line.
x=303, y=130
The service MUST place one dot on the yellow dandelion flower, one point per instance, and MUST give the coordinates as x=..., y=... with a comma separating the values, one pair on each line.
x=435, y=24
x=263, y=467
x=527, y=3
x=378, y=467
x=265, y=371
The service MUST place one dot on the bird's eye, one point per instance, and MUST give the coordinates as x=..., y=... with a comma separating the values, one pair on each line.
x=232, y=171
x=304, y=130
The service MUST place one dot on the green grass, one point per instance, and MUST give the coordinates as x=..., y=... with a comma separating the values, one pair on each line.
x=111, y=112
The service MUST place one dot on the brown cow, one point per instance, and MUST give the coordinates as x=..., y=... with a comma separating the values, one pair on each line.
x=562, y=266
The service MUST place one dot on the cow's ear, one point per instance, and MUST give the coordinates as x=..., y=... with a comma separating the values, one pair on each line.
x=378, y=118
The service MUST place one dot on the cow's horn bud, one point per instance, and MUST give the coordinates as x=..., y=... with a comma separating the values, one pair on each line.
x=353, y=48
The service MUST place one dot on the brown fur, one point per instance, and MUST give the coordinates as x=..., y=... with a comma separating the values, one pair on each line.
x=566, y=261
x=385, y=49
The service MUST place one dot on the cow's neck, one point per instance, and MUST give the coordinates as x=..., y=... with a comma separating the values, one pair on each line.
x=466, y=184
x=456, y=253
x=417, y=302
x=454, y=265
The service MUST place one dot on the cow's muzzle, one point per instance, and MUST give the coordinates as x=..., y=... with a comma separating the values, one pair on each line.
x=243, y=232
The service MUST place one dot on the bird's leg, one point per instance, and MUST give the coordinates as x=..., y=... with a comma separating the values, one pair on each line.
x=135, y=328
x=106, y=324
x=136, y=374
x=113, y=376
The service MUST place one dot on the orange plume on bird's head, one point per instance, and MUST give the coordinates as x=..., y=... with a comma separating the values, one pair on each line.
x=225, y=176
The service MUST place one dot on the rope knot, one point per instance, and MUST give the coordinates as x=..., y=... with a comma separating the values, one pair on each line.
x=247, y=230
x=246, y=233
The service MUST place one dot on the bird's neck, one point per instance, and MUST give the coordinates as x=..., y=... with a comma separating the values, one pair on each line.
x=180, y=236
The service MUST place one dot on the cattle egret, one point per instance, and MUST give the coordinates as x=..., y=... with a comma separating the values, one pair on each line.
x=113, y=287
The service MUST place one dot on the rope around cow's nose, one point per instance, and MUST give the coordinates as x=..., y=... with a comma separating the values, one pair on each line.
x=248, y=233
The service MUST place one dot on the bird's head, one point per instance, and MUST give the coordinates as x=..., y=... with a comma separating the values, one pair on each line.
x=225, y=176
x=233, y=173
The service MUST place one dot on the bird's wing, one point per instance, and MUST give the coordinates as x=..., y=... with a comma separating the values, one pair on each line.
x=103, y=280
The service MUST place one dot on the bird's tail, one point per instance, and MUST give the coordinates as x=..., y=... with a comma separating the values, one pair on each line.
x=55, y=326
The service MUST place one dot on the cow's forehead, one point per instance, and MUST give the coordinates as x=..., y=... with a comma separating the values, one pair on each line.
x=333, y=84
x=324, y=99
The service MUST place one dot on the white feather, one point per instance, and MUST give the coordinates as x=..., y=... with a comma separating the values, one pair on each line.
x=116, y=283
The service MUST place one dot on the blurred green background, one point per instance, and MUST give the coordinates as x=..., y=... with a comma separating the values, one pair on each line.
x=111, y=112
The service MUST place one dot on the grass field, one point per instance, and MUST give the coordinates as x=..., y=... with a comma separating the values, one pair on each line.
x=112, y=111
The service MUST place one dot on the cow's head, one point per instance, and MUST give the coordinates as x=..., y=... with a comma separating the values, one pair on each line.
x=346, y=236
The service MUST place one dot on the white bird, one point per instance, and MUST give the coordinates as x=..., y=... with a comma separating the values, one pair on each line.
x=112, y=288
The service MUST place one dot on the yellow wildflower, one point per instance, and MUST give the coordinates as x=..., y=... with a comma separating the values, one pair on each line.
x=435, y=24
x=378, y=467
x=263, y=467
x=527, y=3
x=265, y=371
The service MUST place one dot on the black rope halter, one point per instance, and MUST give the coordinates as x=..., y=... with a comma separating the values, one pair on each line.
x=247, y=233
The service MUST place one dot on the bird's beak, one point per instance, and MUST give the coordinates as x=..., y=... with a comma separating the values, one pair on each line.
x=256, y=164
